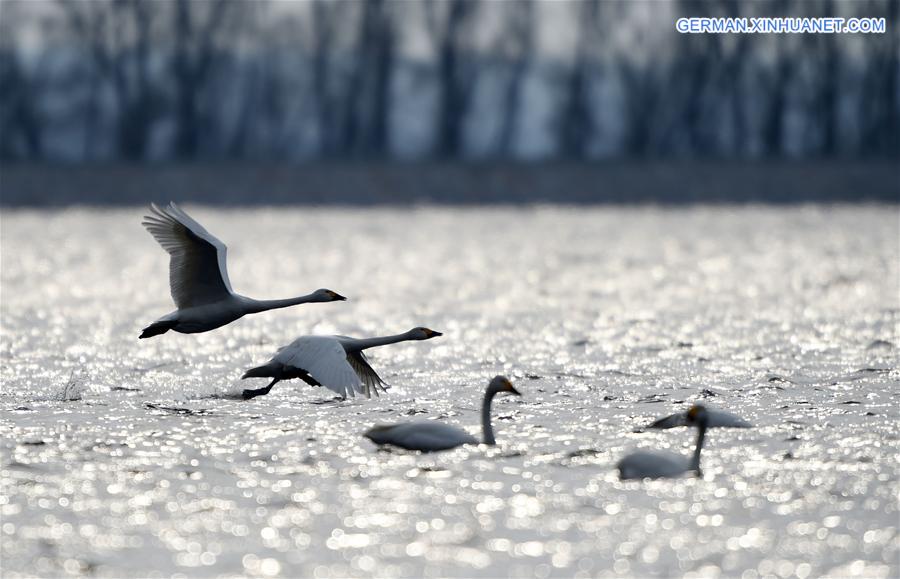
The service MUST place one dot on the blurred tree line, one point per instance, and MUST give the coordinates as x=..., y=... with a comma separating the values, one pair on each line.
x=137, y=80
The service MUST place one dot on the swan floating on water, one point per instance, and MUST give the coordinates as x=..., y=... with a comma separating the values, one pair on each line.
x=199, y=280
x=648, y=464
x=431, y=435
x=335, y=362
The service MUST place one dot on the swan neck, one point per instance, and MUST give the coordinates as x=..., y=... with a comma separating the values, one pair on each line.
x=487, y=429
x=256, y=306
x=365, y=343
x=701, y=436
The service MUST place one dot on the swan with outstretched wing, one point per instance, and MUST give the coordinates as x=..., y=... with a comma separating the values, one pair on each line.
x=198, y=278
x=334, y=362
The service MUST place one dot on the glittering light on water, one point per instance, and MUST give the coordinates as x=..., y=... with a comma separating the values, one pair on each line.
x=604, y=317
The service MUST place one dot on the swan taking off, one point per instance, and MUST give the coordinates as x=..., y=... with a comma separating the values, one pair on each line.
x=198, y=278
x=430, y=435
x=644, y=464
x=335, y=362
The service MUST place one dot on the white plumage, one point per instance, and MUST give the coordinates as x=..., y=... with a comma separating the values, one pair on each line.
x=335, y=362
x=644, y=464
x=198, y=278
x=325, y=360
x=424, y=435
x=647, y=464
x=432, y=436
x=197, y=270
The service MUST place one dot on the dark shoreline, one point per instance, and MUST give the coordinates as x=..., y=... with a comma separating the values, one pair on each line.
x=373, y=184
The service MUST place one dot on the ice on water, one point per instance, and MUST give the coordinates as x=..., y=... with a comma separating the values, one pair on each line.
x=129, y=458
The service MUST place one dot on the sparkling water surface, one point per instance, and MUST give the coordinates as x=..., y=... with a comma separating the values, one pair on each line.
x=126, y=457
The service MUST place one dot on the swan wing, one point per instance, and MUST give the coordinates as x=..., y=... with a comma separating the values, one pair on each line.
x=427, y=436
x=197, y=273
x=324, y=359
x=715, y=419
x=643, y=464
x=671, y=421
x=370, y=379
x=722, y=419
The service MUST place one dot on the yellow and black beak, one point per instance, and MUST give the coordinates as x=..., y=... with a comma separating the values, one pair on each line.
x=693, y=414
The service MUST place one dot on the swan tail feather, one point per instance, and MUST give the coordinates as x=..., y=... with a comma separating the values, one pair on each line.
x=264, y=371
x=157, y=328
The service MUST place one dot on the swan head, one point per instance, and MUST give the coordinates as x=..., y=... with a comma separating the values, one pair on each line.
x=326, y=295
x=423, y=334
x=697, y=415
x=502, y=384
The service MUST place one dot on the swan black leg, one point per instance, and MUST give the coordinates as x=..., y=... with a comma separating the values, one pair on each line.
x=248, y=394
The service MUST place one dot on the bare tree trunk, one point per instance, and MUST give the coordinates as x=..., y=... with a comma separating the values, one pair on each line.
x=122, y=63
x=890, y=86
x=775, y=110
x=642, y=90
x=324, y=24
x=575, y=124
x=142, y=106
x=364, y=99
x=520, y=37
x=879, y=107
x=380, y=24
x=733, y=82
x=775, y=84
x=456, y=78
x=196, y=55
x=21, y=124
x=697, y=56
x=821, y=131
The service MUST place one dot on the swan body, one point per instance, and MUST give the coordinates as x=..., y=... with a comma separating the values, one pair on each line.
x=335, y=362
x=198, y=278
x=424, y=435
x=646, y=464
x=203, y=318
x=432, y=436
x=643, y=464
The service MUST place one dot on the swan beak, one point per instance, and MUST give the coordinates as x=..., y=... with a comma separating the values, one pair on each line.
x=512, y=390
x=434, y=334
x=338, y=297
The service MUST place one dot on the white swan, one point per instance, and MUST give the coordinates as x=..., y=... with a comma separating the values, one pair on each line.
x=335, y=362
x=645, y=464
x=199, y=280
x=430, y=435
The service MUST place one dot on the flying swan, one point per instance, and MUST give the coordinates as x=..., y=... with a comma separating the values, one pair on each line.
x=335, y=362
x=430, y=435
x=647, y=464
x=199, y=280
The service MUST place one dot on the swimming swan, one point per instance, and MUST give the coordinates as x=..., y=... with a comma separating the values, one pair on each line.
x=647, y=464
x=335, y=362
x=199, y=280
x=430, y=435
